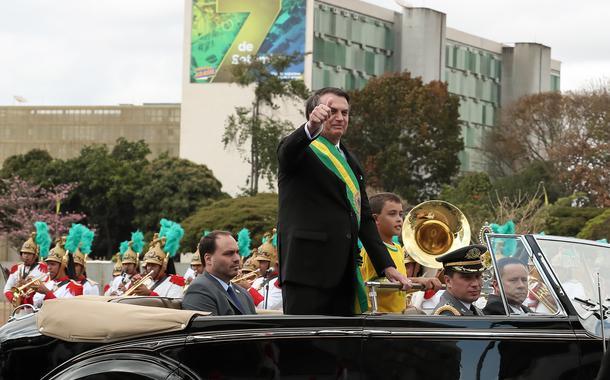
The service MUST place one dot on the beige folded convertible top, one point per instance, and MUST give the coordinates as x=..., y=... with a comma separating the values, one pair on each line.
x=94, y=319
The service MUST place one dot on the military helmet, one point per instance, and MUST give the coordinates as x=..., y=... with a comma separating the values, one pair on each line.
x=58, y=253
x=30, y=245
x=196, y=259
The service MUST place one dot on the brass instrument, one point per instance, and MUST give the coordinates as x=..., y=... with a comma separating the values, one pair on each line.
x=21, y=292
x=245, y=276
x=434, y=228
x=137, y=284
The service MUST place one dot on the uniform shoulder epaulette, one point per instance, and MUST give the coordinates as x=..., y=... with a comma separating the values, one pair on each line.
x=43, y=267
x=14, y=268
x=448, y=308
x=178, y=280
x=75, y=288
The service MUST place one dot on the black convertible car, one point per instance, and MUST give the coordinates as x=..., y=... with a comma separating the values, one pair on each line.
x=561, y=338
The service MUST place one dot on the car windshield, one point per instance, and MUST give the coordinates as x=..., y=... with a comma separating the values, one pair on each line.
x=576, y=263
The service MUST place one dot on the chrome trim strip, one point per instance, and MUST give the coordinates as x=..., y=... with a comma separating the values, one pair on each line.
x=456, y=334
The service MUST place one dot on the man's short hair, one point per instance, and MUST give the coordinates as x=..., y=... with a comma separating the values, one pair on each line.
x=377, y=201
x=314, y=99
x=207, y=244
x=508, y=261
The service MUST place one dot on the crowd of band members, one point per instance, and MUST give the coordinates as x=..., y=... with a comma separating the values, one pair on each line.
x=221, y=282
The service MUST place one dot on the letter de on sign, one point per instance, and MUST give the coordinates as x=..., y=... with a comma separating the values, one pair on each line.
x=245, y=46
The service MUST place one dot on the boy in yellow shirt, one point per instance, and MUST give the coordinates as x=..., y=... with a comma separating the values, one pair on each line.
x=387, y=212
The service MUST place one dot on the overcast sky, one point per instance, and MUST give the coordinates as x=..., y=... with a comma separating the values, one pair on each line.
x=130, y=51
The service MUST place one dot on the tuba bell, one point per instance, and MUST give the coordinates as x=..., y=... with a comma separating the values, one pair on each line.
x=433, y=228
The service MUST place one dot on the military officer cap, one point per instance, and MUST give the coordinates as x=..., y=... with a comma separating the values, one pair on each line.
x=469, y=259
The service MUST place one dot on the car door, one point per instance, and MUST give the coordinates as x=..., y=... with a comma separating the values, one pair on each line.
x=509, y=346
x=272, y=347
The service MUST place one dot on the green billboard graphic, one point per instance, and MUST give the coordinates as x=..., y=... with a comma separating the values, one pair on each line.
x=226, y=32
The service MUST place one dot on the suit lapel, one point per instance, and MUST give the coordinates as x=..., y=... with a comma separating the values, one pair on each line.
x=223, y=292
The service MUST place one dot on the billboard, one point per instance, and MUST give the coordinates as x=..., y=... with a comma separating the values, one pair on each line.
x=225, y=32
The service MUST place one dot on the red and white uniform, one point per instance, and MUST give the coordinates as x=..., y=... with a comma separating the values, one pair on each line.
x=189, y=275
x=114, y=286
x=269, y=296
x=172, y=286
x=20, y=271
x=90, y=287
x=59, y=288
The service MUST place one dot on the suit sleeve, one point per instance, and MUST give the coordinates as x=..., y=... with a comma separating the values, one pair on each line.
x=197, y=297
x=292, y=148
x=368, y=234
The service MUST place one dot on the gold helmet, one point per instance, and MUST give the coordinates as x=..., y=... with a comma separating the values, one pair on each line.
x=79, y=257
x=30, y=245
x=130, y=256
x=267, y=251
x=196, y=259
x=250, y=265
x=155, y=254
x=58, y=253
x=165, y=244
x=118, y=265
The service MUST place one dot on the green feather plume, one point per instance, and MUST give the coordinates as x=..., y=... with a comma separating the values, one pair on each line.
x=137, y=241
x=205, y=233
x=274, y=241
x=173, y=233
x=243, y=242
x=74, y=236
x=86, y=241
x=123, y=247
x=43, y=239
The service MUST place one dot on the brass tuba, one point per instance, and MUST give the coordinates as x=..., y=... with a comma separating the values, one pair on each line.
x=433, y=228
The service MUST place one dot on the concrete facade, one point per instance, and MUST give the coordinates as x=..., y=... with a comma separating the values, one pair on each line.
x=64, y=130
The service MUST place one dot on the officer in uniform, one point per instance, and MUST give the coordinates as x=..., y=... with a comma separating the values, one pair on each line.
x=90, y=287
x=463, y=270
x=266, y=290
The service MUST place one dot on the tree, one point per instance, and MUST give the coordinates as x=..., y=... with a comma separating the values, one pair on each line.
x=597, y=228
x=257, y=213
x=36, y=166
x=256, y=123
x=109, y=184
x=570, y=132
x=526, y=132
x=407, y=134
x=174, y=188
x=22, y=204
x=471, y=194
x=569, y=215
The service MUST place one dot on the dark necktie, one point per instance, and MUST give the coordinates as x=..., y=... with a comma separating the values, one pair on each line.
x=233, y=297
x=473, y=309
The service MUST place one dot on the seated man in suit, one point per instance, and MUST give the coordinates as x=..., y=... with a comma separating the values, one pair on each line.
x=463, y=270
x=514, y=276
x=213, y=290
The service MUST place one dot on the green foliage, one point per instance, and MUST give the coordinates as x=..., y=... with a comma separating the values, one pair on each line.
x=597, y=228
x=257, y=213
x=407, y=134
x=175, y=188
x=565, y=220
x=120, y=190
x=471, y=194
x=527, y=181
x=256, y=124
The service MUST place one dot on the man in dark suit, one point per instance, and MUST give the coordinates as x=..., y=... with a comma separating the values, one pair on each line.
x=323, y=210
x=514, y=276
x=213, y=290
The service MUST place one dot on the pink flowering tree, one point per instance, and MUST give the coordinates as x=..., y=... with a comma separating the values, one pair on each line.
x=22, y=204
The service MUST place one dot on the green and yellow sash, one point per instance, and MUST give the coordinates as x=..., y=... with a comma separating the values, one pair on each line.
x=332, y=158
